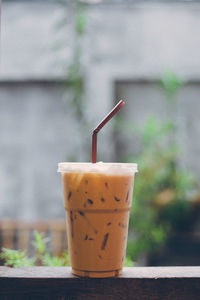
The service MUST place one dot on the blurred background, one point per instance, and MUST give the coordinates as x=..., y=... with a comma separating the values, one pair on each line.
x=64, y=65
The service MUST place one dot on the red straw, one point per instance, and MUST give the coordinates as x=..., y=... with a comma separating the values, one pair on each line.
x=98, y=128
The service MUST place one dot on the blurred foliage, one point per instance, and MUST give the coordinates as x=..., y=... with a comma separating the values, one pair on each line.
x=75, y=72
x=19, y=258
x=16, y=258
x=75, y=21
x=161, y=193
x=163, y=189
x=170, y=82
x=129, y=262
x=72, y=25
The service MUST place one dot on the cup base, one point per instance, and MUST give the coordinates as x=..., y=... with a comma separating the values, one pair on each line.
x=96, y=274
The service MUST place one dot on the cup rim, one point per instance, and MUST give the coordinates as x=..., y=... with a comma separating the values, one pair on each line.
x=99, y=167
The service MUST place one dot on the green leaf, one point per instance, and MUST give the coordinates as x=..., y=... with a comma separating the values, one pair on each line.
x=81, y=22
x=129, y=262
x=16, y=258
x=170, y=82
x=40, y=243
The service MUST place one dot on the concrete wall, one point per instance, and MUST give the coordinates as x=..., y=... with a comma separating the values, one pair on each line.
x=33, y=131
x=37, y=123
x=146, y=99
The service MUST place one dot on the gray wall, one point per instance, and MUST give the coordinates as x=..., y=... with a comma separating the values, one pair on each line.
x=38, y=127
x=145, y=99
x=34, y=137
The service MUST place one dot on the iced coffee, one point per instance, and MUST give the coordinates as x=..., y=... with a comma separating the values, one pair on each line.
x=97, y=199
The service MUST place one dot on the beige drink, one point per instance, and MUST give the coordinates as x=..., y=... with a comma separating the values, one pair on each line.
x=97, y=199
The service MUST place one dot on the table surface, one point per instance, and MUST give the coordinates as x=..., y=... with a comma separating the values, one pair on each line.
x=137, y=283
x=133, y=272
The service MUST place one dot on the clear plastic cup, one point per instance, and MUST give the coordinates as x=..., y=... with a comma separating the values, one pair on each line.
x=97, y=200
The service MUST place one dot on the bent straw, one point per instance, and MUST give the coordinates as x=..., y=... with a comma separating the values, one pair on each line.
x=98, y=128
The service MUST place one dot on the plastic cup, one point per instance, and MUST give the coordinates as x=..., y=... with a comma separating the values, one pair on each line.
x=97, y=200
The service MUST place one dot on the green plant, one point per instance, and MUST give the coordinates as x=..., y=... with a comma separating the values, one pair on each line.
x=75, y=71
x=161, y=203
x=18, y=258
x=129, y=262
x=171, y=83
x=73, y=25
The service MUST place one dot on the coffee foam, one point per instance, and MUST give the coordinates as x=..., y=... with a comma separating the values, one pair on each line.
x=99, y=167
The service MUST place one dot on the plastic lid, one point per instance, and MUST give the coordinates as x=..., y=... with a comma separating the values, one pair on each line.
x=100, y=167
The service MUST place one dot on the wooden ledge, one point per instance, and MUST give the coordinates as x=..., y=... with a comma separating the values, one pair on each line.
x=136, y=272
x=135, y=283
